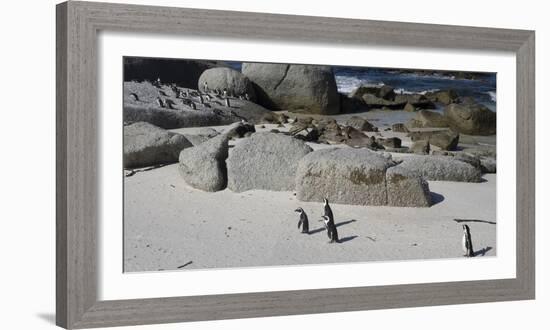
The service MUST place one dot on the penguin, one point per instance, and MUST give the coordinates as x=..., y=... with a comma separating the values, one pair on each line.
x=193, y=106
x=201, y=99
x=134, y=96
x=157, y=83
x=303, y=220
x=247, y=97
x=328, y=210
x=160, y=103
x=207, y=97
x=225, y=92
x=205, y=87
x=227, y=104
x=241, y=97
x=467, y=242
x=332, y=233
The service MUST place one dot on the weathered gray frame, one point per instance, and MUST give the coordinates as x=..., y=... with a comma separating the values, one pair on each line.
x=77, y=186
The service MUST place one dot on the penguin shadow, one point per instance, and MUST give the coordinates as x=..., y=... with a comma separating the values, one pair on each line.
x=318, y=230
x=436, y=198
x=483, y=251
x=347, y=238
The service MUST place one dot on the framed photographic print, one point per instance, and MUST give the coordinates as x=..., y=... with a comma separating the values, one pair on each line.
x=217, y=165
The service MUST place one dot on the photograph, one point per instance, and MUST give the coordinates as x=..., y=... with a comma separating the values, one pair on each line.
x=230, y=164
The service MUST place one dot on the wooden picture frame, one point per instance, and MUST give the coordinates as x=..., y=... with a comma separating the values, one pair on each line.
x=78, y=24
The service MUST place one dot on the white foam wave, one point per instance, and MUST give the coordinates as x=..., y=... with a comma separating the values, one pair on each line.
x=347, y=84
x=493, y=95
x=404, y=91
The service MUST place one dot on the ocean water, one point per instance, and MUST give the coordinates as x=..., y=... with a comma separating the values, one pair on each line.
x=482, y=89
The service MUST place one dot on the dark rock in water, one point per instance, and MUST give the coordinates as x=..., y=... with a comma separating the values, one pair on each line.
x=361, y=124
x=399, y=128
x=239, y=130
x=185, y=73
x=265, y=161
x=293, y=87
x=444, y=139
x=407, y=188
x=444, y=97
x=203, y=166
x=346, y=176
x=146, y=144
x=274, y=130
x=421, y=147
x=441, y=168
x=426, y=118
x=383, y=92
x=471, y=119
x=226, y=78
x=392, y=142
x=351, y=104
x=418, y=101
x=373, y=101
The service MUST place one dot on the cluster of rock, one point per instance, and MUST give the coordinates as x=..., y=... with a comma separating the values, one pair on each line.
x=471, y=119
x=279, y=162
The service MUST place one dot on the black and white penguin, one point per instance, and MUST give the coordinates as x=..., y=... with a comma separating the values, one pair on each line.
x=467, y=242
x=201, y=99
x=160, y=103
x=134, y=96
x=227, y=104
x=205, y=87
x=247, y=97
x=225, y=92
x=157, y=83
x=304, y=222
x=328, y=210
x=193, y=106
x=332, y=233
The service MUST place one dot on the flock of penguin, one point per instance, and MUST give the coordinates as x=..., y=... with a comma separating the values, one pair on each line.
x=330, y=226
x=203, y=98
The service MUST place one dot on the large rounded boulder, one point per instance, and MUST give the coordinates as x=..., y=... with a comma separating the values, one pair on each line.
x=146, y=144
x=441, y=168
x=426, y=118
x=203, y=166
x=293, y=87
x=226, y=78
x=471, y=119
x=265, y=161
x=343, y=175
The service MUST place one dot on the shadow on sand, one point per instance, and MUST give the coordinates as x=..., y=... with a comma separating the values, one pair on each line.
x=346, y=239
x=318, y=230
x=47, y=317
x=483, y=251
x=436, y=198
x=475, y=220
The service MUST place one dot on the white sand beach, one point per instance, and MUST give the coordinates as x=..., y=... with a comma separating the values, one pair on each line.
x=169, y=225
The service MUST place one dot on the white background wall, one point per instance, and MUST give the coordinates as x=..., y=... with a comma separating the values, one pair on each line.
x=27, y=164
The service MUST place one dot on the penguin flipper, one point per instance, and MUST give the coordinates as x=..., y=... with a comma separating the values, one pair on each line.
x=300, y=223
